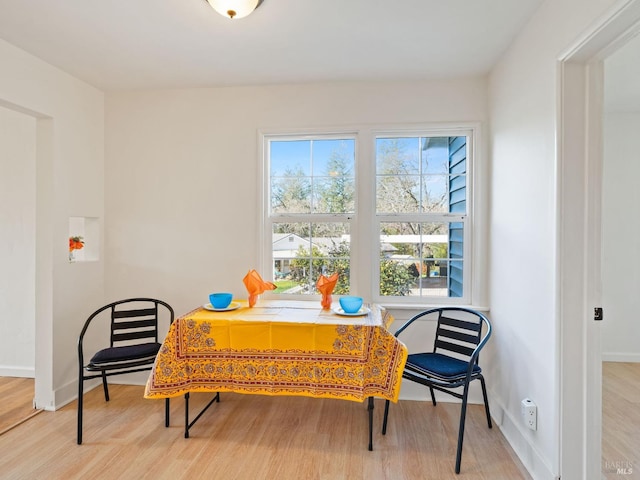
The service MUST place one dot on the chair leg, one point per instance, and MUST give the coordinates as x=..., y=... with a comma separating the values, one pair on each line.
x=486, y=401
x=166, y=412
x=80, y=395
x=433, y=396
x=463, y=414
x=104, y=386
x=386, y=414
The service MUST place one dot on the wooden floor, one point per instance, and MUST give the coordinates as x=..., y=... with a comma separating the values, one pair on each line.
x=620, y=420
x=258, y=437
x=254, y=437
x=17, y=401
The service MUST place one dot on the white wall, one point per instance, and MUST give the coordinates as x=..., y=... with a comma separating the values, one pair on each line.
x=17, y=243
x=523, y=285
x=182, y=172
x=69, y=131
x=620, y=233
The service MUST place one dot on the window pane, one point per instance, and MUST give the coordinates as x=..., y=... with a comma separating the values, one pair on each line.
x=333, y=172
x=398, y=194
x=290, y=156
x=455, y=279
x=304, y=251
x=434, y=194
x=416, y=259
x=334, y=195
x=421, y=175
x=291, y=194
x=398, y=175
x=333, y=157
x=435, y=155
x=312, y=176
x=398, y=156
x=458, y=194
x=395, y=277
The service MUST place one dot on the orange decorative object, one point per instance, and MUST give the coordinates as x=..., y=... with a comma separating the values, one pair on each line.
x=256, y=286
x=325, y=287
x=75, y=243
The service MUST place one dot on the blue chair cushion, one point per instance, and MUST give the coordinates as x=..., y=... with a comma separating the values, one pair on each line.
x=439, y=364
x=116, y=355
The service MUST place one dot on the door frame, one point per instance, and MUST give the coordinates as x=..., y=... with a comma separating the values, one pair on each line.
x=579, y=193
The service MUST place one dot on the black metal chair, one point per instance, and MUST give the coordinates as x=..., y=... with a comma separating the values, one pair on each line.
x=460, y=335
x=133, y=344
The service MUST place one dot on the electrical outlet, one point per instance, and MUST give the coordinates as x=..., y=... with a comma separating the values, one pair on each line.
x=529, y=412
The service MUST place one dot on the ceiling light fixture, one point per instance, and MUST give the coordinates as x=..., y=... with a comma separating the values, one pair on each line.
x=234, y=8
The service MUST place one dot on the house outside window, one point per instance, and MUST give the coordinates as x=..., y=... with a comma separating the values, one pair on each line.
x=410, y=189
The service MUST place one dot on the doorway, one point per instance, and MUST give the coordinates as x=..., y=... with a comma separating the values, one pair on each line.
x=620, y=282
x=18, y=259
x=580, y=174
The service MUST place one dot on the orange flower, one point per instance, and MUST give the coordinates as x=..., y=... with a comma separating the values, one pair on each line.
x=75, y=243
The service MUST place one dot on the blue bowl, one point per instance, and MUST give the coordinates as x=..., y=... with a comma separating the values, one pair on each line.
x=220, y=300
x=351, y=304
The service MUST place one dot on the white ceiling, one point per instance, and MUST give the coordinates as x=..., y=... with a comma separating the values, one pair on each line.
x=134, y=44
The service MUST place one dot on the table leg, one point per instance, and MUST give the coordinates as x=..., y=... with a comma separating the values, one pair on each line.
x=370, y=408
x=187, y=424
x=186, y=415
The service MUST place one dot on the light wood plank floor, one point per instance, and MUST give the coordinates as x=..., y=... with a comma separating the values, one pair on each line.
x=265, y=437
x=17, y=401
x=620, y=419
x=254, y=437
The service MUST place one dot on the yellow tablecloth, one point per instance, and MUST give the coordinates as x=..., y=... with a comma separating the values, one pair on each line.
x=280, y=348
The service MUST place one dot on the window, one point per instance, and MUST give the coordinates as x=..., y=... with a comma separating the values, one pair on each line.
x=421, y=214
x=323, y=199
x=311, y=207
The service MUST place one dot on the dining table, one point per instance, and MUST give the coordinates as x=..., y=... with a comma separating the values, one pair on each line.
x=280, y=347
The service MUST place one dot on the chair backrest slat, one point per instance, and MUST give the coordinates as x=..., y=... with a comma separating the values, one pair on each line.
x=454, y=347
x=462, y=324
x=151, y=323
x=137, y=335
x=142, y=312
x=134, y=324
x=455, y=335
x=458, y=335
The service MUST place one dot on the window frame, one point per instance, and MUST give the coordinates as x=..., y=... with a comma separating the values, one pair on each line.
x=268, y=220
x=365, y=222
x=416, y=217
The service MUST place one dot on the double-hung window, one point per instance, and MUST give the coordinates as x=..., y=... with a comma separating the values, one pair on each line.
x=311, y=210
x=421, y=215
x=403, y=197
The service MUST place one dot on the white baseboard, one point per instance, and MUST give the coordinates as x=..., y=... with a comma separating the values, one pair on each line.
x=22, y=372
x=69, y=392
x=621, y=357
x=518, y=438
